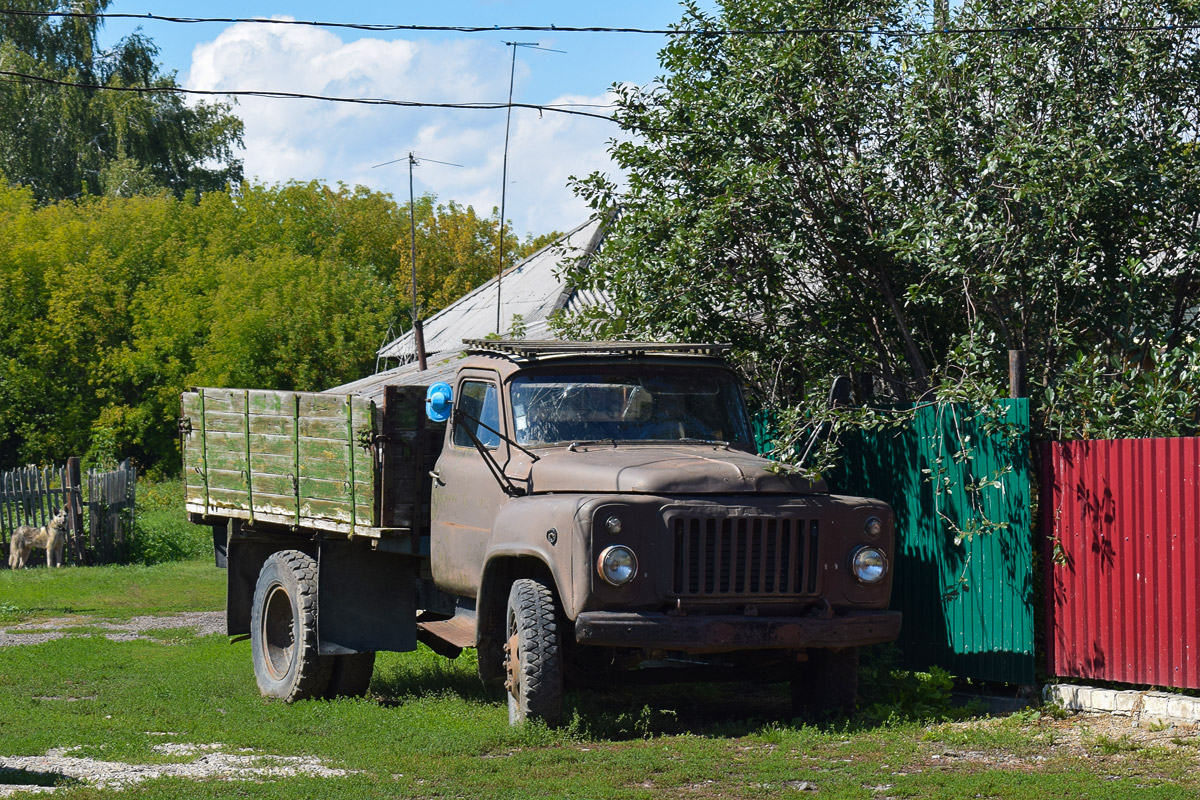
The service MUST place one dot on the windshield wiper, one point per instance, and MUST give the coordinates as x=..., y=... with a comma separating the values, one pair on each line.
x=613, y=442
x=506, y=483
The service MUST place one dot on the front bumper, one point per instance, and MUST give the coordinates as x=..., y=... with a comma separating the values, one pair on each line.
x=697, y=633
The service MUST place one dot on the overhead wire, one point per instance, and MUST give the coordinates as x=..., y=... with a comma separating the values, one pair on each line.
x=865, y=30
x=557, y=108
x=569, y=109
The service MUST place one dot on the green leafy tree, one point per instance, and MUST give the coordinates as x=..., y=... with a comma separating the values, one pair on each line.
x=914, y=206
x=63, y=140
x=111, y=306
x=456, y=251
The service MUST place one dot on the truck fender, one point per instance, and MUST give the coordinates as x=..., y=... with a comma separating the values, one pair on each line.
x=543, y=537
x=500, y=570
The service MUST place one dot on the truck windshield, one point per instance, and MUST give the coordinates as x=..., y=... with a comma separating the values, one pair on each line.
x=629, y=404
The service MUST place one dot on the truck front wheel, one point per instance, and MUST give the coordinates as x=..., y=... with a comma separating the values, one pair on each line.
x=826, y=684
x=283, y=629
x=533, y=654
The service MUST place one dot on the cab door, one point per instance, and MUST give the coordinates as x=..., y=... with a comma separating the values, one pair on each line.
x=466, y=494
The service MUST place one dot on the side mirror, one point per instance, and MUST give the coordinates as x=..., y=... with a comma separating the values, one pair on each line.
x=439, y=402
x=840, y=392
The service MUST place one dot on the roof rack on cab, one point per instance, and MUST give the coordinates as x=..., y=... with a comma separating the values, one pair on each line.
x=533, y=350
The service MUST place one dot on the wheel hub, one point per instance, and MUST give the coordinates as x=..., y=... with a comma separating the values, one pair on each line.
x=512, y=665
x=278, y=634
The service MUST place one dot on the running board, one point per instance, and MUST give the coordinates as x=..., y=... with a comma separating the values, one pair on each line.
x=448, y=637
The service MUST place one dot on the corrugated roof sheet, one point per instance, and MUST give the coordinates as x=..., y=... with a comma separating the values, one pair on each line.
x=371, y=387
x=533, y=289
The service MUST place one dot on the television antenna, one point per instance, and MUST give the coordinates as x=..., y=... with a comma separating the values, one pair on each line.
x=418, y=328
x=504, y=170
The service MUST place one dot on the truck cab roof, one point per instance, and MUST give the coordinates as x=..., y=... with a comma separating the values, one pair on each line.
x=510, y=355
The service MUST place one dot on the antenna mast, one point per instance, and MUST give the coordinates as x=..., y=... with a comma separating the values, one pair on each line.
x=418, y=326
x=504, y=172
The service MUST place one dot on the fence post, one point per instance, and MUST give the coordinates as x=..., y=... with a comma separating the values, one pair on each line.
x=1016, y=374
x=74, y=502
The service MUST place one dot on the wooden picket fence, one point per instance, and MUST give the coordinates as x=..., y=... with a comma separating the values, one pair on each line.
x=100, y=514
x=111, y=506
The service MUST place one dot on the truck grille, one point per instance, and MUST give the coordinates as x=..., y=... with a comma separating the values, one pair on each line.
x=729, y=556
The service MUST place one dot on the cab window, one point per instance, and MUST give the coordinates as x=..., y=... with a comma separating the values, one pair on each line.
x=479, y=401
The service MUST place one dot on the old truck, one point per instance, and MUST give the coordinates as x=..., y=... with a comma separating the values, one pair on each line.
x=576, y=512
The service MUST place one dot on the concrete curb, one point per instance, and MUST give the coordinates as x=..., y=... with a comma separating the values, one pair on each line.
x=1149, y=707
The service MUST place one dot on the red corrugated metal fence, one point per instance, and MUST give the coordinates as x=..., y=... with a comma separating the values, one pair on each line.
x=1122, y=560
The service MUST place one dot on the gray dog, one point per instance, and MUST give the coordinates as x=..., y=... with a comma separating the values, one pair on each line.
x=51, y=538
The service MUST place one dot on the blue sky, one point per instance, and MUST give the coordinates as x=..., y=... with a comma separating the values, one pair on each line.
x=302, y=140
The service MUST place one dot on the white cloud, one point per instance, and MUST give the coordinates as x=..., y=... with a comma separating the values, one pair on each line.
x=306, y=139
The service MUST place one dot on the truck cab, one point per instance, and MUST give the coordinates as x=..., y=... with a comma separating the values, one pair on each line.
x=620, y=486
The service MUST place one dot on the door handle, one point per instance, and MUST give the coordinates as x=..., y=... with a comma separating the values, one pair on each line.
x=437, y=476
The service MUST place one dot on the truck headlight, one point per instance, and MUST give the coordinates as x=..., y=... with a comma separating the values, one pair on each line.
x=617, y=565
x=873, y=527
x=613, y=525
x=868, y=564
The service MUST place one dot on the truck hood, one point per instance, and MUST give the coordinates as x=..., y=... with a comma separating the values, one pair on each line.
x=667, y=469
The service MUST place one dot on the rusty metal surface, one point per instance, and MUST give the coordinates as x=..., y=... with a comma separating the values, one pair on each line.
x=458, y=631
x=731, y=632
x=662, y=469
x=1121, y=546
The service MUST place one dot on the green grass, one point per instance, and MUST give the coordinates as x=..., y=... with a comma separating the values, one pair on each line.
x=114, y=591
x=429, y=730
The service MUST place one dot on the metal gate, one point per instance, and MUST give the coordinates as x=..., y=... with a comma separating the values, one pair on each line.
x=958, y=480
x=1122, y=560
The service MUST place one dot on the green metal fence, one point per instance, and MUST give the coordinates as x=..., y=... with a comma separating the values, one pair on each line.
x=958, y=481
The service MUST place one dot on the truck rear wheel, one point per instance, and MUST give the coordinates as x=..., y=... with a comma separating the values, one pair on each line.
x=826, y=684
x=283, y=629
x=533, y=654
x=351, y=675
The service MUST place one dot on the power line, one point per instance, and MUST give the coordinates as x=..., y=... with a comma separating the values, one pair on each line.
x=865, y=30
x=570, y=109
x=557, y=108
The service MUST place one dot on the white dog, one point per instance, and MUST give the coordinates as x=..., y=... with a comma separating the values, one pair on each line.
x=51, y=538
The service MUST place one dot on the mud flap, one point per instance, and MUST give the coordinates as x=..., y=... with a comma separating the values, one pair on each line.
x=245, y=558
x=366, y=599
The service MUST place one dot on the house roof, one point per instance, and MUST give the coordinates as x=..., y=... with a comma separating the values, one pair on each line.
x=533, y=290
x=373, y=386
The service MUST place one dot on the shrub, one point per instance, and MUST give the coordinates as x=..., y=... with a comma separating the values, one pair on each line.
x=161, y=530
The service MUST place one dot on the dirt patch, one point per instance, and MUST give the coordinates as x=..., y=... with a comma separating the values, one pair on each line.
x=58, y=768
x=1083, y=735
x=205, y=623
x=11, y=640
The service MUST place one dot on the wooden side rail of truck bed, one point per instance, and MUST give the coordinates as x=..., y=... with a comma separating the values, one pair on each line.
x=327, y=462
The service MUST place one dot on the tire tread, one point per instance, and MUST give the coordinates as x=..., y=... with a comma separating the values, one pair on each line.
x=541, y=664
x=312, y=671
